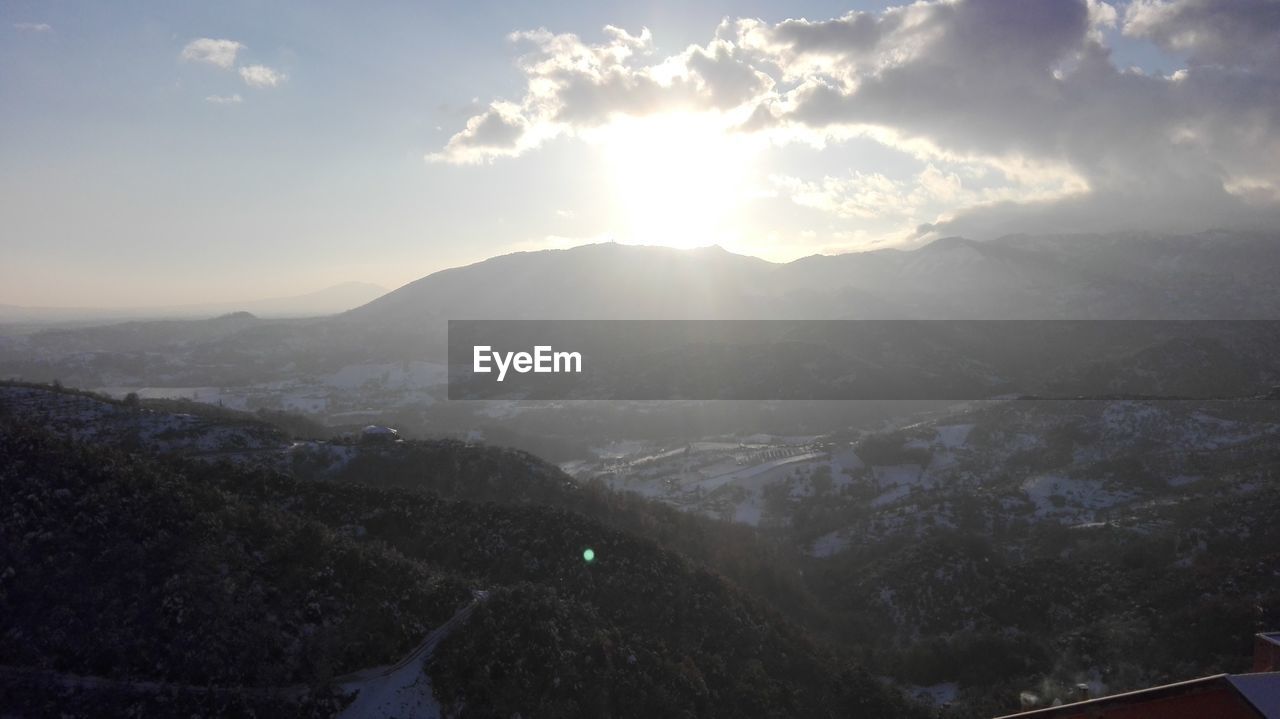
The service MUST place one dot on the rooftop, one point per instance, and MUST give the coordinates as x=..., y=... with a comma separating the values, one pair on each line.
x=1260, y=693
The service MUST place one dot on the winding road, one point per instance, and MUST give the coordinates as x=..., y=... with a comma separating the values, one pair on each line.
x=402, y=689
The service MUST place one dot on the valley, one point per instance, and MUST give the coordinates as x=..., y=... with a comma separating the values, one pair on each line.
x=942, y=558
x=895, y=542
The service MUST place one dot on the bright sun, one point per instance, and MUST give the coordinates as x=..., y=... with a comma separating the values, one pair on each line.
x=678, y=178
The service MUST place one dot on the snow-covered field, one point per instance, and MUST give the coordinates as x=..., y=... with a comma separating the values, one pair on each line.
x=351, y=389
x=829, y=544
x=1081, y=464
x=1067, y=497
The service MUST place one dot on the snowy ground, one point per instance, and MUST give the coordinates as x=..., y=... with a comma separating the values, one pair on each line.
x=1056, y=496
x=711, y=484
x=353, y=389
x=829, y=544
x=402, y=689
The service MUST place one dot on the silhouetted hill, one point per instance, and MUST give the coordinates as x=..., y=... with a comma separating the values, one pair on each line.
x=602, y=281
x=148, y=571
x=1037, y=277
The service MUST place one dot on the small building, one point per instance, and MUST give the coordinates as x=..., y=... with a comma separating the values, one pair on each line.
x=375, y=433
x=1266, y=652
x=1223, y=696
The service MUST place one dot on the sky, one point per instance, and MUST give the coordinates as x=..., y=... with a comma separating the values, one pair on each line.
x=160, y=153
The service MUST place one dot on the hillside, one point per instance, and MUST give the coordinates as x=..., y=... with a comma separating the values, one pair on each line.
x=602, y=281
x=232, y=574
x=448, y=468
x=988, y=550
x=1000, y=547
x=1215, y=275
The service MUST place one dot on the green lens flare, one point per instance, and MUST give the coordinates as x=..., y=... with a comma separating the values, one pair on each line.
x=589, y=554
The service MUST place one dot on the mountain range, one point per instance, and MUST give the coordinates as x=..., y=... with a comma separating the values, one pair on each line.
x=970, y=552
x=1212, y=275
x=1218, y=275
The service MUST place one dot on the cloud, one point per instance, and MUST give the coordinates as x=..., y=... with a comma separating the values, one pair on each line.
x=1212, y=32
x=1029, y=89
x=233, y=99
x=860, y=195
x=935, y=192
x=555, y=242
x=33, y=26
x=261, y=76
x=1026, y=92
x=573, y=86
x=498, y=131
x=220, y=53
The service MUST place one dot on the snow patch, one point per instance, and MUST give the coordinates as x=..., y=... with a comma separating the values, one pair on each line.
x=829, y=544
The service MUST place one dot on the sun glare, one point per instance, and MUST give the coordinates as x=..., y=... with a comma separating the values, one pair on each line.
x=677, y=178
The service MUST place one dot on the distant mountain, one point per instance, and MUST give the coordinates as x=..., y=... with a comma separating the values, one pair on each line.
x=1115, y=276
x=602, y=281
x=329, y=300
x=1219, y=275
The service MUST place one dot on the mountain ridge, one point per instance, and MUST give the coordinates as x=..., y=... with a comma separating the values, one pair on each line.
x=1220, y=275
x=1085, y=276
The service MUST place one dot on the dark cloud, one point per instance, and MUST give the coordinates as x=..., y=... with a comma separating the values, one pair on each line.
x=726, y=80
x=853, y=34
x=1032, y=80
x=497, y=131
x=1213, y=32
x=1025, y=89
x=493, y=130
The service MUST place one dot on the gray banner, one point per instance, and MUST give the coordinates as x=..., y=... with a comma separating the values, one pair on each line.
x=861, y=359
